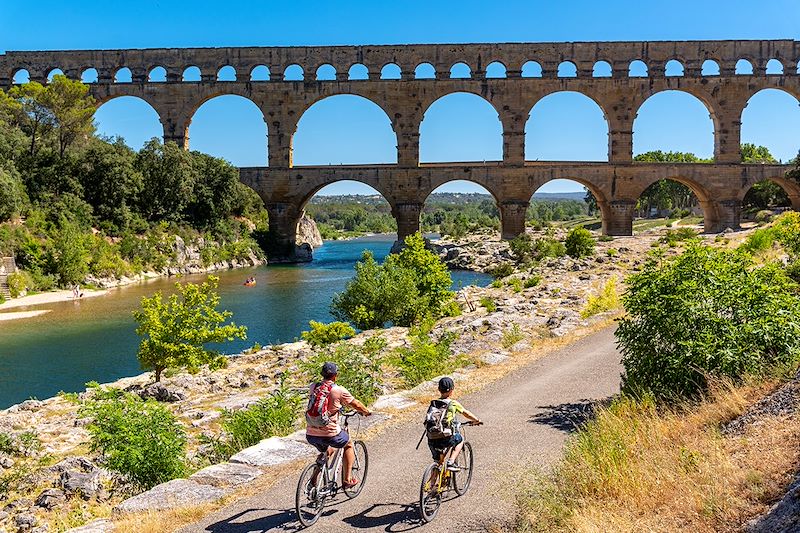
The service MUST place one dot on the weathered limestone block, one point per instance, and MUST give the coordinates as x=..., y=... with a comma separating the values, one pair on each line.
x=226, y=475
x=170, y=495
x=273, y=451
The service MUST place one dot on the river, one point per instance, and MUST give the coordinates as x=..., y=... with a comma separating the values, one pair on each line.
x=95, y=339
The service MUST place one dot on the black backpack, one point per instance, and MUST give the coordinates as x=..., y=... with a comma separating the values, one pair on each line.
x=436, y=426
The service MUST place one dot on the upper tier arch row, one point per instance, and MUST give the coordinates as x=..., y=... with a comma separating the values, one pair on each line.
x=583, y=56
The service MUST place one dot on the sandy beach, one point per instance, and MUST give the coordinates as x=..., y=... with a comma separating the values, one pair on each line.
x=41, y=299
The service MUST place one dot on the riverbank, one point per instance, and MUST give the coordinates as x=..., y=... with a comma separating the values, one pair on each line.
x=44, y=298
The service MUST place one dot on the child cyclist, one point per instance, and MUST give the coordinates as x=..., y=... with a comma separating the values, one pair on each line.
x=440, y=430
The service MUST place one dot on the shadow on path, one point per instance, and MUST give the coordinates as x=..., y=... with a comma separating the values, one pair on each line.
x=566, y=417
x=283, y=520
x=398, y=518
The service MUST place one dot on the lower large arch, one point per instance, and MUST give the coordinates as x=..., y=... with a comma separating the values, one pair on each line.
x=458, y=207
x=581, y=201
x=344, y=129
x=774, y=192
x=349, y=208
x=689, y=196
x=231, y=127
x=674, y=121
x=566, y=126
x=128, y=117
x=460, y=127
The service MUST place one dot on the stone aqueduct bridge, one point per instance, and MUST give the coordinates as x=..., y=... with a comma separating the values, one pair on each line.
x=617, y=184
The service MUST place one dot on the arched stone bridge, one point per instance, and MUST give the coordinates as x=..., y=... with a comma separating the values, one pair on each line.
x=617, y=184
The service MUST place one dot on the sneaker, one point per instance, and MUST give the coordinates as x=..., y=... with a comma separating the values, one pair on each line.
x=452, y=467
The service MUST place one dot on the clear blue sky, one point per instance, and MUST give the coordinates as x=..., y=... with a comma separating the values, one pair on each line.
x=346, y=129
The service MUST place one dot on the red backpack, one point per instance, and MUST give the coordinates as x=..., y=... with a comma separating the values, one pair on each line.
x=319, y=405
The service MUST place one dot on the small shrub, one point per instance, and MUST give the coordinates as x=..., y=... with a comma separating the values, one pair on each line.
x=18, y=283
x=451, y=309
x=673, y=237
x=612, y=252
x=503, y=270
x=759, y=241
x=141, y=440
x=512, y=336
x=496, y=284
x=277, y=414
x=548, y=247
x=532, y=281
x=515, y=284
x=359, y=367
x=325, y=334
x=579, y=242
x=606, y=299
x=488, y=304
x=425, y=358
x=763, y=216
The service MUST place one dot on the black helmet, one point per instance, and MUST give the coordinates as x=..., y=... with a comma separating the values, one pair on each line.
x=446, y=384
x=329, y=370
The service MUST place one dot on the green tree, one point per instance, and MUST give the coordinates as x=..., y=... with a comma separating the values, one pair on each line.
x=430, y=274
x=27, y=107
x=72, y=109
x=168, y=180
x=175, y=331
x=215, y=190
x=705, y=313
x=579, y=242
x=13, y=197
x=68, y=257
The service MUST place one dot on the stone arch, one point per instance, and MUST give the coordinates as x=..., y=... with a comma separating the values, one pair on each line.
x=391, y=71
x=358, y=71
x=585, y=117
x=531, y=69
x=130, y=117
x=464, y=144
x=231, y=126
x=326, y=180
x=259, y=73
x=637, y=69
x=774, y=67
x=771, y=118
x=789, y=187
x=54, y=72
x=123, y=75
x=707, y=201
x=192, y=73
x=433, y=219
x=293, y=73
x=675, y=95
x=352, y=114
x=744, y=67
x=460, y=70
x=710, y=68
x=496, y=69
x=602, y=69
x=674, y=68
x=325, y=72
x=425, y=71
x=226, y=73
x=567, y=69
x=89, y=75
x=599, y=195
x=21, y=76
x=157, y=74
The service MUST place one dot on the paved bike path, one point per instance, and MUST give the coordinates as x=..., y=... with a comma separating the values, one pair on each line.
x=528, y=415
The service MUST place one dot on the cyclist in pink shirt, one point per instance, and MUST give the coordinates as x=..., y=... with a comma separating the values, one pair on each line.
x=325, y=438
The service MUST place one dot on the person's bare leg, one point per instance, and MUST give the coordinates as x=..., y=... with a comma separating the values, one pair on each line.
x=456, y=451
x=349, y=459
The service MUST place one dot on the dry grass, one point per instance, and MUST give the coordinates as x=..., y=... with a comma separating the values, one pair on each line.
x=639, y=468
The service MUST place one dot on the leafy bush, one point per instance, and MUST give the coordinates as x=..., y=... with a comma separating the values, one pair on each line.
x=521, y=247
x=141, y=440
x=426, y=358
x=177, y=330
x=22, y=444
x=359, y=367
x=606, y=299
x=324, y=334
x=579, y=242
x=277, y=414
x=548, y=246
x=512, y=336
x=532, y=281
x=503, y=270
x=787, y=231
x=673, y=237
x=765, y=215
x=760, y=240
x=702, y=314
x=488, y=304
x=18, y=283
x=515, y=284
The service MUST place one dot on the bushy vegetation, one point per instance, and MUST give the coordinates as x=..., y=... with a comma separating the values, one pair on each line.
x=511, y=336
x=140, y=440
x=427, y=357
x=488, y=304
x=324, y=334
x=176, y=331
x=359, y=367
x=606, y=299
x=74, y=204
x=277, y=414
x=579, y=242
x=706, y=313
x=409, y=286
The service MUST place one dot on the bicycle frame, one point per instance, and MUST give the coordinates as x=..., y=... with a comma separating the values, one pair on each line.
x=444, y=474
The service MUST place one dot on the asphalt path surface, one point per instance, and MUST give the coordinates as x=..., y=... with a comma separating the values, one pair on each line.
x=527, y=414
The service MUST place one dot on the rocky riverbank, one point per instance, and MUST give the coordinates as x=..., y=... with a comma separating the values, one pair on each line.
x=65, y=485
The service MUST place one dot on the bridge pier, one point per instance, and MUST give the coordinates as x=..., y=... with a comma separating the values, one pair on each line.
x=407, y=217
x=618, y=218
x=512, y=218
x=281, y=245
x=725, y=214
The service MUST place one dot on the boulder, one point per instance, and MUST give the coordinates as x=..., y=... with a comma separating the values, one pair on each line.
x=226, y=475
x=162, y=393
x=273, y=451
x=170, y=495
x=51, y=498
x=25, y=521
x=101, y=525
x=84, y=484
x=307, y=232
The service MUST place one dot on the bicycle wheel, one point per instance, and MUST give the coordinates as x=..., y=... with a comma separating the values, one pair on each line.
x=360, y=468
x=463, y=477
x=308, y=502
x=430, y=498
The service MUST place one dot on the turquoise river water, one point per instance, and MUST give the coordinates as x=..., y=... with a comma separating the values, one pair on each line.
x=94, y=339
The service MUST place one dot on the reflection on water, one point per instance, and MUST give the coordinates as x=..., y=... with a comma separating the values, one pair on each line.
x=94, y=339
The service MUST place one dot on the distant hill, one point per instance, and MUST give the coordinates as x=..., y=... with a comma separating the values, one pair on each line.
x=553, y=196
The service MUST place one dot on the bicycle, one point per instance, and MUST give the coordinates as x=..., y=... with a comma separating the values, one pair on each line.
x=457, y=477
x=322, y=479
